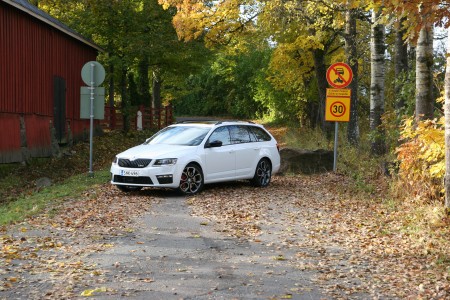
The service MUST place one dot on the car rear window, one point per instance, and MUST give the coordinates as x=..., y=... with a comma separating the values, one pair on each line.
x=260, y=134
x=239, y=134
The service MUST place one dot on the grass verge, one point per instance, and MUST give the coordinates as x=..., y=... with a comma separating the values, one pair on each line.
x=36, y=202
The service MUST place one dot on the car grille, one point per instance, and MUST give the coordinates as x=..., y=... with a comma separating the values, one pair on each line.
x=131, y=179
x=137, y=163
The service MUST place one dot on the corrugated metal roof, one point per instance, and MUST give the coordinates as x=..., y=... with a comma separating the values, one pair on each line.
x=32, y=10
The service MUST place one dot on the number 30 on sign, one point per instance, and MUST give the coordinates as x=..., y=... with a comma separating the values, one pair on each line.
x=337, y=107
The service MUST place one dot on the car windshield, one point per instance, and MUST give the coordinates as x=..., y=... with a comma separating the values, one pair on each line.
x=179, y=135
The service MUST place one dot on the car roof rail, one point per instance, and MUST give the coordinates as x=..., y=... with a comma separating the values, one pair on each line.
x=197, y=121
x=235, y=121
x=215, y=122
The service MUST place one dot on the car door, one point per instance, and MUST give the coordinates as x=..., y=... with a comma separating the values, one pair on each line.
x=220, y=162
x=247, y=151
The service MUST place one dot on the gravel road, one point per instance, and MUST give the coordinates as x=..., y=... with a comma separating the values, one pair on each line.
x=173, y=255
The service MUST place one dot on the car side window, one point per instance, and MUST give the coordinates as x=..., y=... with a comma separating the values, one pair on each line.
x=239, y=134
x=221, y=134
x=260, y=134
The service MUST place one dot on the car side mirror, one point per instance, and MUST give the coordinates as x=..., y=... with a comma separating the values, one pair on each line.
x=213, y=144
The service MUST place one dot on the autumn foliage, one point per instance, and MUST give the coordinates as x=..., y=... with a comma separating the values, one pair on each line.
x=421, y=158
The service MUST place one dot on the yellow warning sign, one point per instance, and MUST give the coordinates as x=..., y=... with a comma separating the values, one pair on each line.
x=337, y=106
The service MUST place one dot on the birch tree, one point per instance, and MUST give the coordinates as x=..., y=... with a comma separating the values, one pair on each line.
x=424, y=73
x=447, y=126
x=352, y=60
x=377, y=59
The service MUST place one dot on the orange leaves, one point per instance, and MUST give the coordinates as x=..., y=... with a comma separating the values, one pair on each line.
x=422, y=158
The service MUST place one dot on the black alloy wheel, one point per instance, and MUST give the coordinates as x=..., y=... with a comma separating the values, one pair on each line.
x=263, y=173
x=191, y=180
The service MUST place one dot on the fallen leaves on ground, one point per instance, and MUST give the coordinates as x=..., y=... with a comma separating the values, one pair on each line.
x=357, y=245
x=45, y=261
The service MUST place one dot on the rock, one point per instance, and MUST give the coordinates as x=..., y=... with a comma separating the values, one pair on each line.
x=306, y=161
x=43, y=182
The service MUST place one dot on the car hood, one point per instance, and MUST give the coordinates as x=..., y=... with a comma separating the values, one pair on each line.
x=156, y=151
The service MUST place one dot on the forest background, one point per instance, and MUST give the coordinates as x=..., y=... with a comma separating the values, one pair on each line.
x=268, y=59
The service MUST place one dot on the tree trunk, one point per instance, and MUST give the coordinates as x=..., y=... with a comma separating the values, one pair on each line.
x=401, y=68
x=156, y=90
x=111, y=86
x=424, y=74
x=125, y=101
x=321, y=76
x=377, y=49
x=352, y=60
x=447, y=126
x=143, y=82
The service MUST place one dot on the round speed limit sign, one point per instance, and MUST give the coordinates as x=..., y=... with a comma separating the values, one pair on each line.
x=337, y=109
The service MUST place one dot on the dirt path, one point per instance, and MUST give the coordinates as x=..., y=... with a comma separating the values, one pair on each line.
x=172, y=255
x=303, y=237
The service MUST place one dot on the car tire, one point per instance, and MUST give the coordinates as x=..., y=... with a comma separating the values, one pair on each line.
x=129, y=188
x=263, y=173
x=191, y=181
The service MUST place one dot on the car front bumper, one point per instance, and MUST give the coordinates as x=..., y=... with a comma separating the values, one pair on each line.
x=164, y=176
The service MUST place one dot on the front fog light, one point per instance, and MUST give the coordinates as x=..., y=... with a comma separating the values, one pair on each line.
x=164, y=179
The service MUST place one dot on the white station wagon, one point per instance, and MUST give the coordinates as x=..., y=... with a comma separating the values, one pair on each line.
x=188, y=155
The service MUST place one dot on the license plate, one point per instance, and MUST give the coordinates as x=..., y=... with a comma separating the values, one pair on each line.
x=129, y=173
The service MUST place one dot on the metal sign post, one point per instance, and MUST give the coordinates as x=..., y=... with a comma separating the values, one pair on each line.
x=93, y=75
x=91, y=129
x=336, y=129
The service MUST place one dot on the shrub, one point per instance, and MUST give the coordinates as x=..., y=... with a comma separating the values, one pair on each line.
x=421, y=157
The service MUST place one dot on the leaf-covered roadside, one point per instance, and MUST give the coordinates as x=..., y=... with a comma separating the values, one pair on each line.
x=358, y=245
x=20, y=179
x=42, y=258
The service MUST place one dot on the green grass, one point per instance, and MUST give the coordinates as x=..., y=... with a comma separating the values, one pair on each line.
x=36, y=202
x=353, y=161
x=305, y=138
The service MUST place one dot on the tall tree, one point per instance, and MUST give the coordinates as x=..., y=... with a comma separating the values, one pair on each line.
x=156, y=90
x=424, y=73
x=352, y=60
x=401, y=65
x=447, y=126
x=143, y=80
x=377, y=58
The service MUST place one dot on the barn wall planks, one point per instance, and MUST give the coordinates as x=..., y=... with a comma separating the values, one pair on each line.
x=32, y=53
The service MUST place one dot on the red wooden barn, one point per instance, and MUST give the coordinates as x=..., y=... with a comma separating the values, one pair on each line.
x=40, y=66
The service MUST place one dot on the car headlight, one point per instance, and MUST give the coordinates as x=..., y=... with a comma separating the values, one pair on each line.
x=165, y=162
x=115, y=160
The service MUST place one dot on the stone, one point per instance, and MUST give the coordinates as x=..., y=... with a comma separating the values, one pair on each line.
x=306, y=161
x=43, y=182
